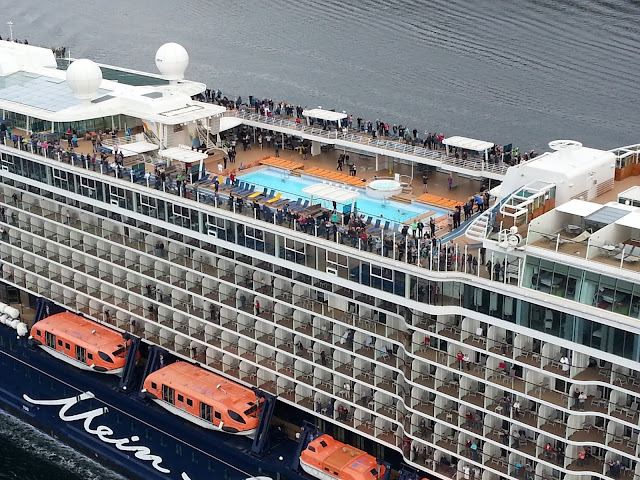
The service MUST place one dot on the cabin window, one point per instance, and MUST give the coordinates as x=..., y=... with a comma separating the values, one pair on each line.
x=374, y=472
x=311, y=449
x=180, y=398
x=67, y=346
x=218, y=415
x=189, y=402
x=236, y=416
x=90, y=356
x=59, y=343
x=154, y=385
x=105, y=357
x=323, y=443
x=38, y=332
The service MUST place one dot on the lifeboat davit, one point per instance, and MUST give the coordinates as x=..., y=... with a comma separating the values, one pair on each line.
x=81, y=342
x=204, y=398
x=327, y=459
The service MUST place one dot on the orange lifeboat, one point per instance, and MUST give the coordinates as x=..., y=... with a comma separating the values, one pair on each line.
x=81, y=342
x=204, y=398
x=328, y=459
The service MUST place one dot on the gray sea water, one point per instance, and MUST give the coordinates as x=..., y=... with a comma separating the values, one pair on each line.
x=521, y=71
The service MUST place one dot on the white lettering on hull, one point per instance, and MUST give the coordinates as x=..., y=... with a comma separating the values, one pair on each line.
x=102, y=431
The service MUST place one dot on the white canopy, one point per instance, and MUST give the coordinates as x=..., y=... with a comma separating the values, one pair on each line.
x=324, y=114
x=330, y=192
x=227, y=123
x=580, y=208
x=182, y=154
x=468, y=143
x=135, y=148
x=631, y=220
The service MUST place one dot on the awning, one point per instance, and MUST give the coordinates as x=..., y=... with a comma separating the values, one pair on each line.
x=580, y=208
x=631, y=220
x=227, y=123
x=468, y=143
x=135, y=148
x=606, y=215
x=181, y=154
x=324, y=114
x=330, y=192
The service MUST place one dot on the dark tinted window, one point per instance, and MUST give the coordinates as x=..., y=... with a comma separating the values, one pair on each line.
x=217, y=415
x=180, y=398
x=154, y=386
x=90, y=356
x=67, y=346
x=189, y=402
x=38, y=332
x=236, y=416
x=60, y=342
x=105, y=357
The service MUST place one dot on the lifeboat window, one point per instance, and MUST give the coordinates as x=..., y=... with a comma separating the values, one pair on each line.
x=119, y=352
x=180, y=398
x=236, y=416
x=189, y=402
x=323, y=443
x=38, y=332
x=105, y=357
x=67, y=346
x=90, y=356
x=251, y=410
x=59, y=343
x=154, y=385
x=374, y=472
x=311, y=449
x=218, y=415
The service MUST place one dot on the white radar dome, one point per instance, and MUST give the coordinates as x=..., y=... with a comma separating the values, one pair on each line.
x=172, y=61
x=84, y=78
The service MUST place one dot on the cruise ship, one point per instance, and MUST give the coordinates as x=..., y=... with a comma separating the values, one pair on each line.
x=504, y=348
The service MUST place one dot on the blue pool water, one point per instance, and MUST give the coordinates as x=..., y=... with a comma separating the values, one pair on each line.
x=291, y=187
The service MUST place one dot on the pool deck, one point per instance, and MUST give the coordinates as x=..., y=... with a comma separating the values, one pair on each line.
x=437, y=183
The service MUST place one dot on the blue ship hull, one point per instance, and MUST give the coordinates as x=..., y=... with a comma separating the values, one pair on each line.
x=185, y=450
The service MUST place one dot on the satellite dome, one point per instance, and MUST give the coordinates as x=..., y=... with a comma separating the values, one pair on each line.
x=172, y=60
x=84, y=78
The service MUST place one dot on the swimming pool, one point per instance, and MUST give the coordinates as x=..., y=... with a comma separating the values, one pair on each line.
x=291, y=187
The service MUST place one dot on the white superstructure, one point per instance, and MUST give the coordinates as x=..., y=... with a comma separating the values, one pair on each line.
x=431, y=357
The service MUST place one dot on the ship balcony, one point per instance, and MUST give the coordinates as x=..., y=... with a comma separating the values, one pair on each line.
x=555, y=426
x=589, y=433
x=593, y=464
x=450, y=387
x=497, y=463
x=628, y=414
x=449, y=441
x=424, y=379
x=625, y=444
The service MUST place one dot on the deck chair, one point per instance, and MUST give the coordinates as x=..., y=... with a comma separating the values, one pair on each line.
x=296, y=204
x=241, y=186
x=300, y=207
x=248, y=192
x=204, y=179
x=374, y=228
x=275, y=199
x=281, y=202
x=227, y=184
x=270, y=196
x=259, y=194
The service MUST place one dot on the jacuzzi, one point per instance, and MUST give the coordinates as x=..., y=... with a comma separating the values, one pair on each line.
x=383, y=188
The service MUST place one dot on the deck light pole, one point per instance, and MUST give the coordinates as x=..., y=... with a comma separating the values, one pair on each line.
x=10, y=23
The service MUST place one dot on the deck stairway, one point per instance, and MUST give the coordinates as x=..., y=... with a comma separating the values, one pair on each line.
x=261, y=438
x=153, y=362
x=132, y=356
